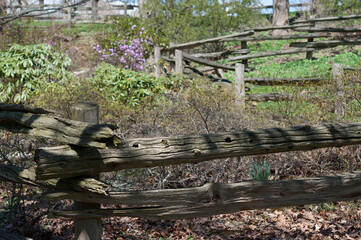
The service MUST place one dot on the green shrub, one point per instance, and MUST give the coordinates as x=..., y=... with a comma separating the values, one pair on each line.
x=339, y=7
x=23, y=68
x=187, y=20
x=126, y=86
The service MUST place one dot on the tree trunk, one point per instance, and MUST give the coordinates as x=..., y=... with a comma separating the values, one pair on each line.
x=280, y=15
x=2, y=11
x=2, y=6
x=314, y=8
x=141, y=4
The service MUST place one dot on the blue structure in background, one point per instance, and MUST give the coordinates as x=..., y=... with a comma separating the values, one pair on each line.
x=270, y=2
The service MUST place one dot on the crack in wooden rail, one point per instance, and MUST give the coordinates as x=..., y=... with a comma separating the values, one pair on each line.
x=67, y=161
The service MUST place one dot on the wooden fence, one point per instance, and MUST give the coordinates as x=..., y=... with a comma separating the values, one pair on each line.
x=176, y=55
x=94, y=11
x=71, y=171
x=246, y=36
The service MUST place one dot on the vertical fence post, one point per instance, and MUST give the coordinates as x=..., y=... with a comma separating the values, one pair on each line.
x=340, y=105
x=239, y=85
x=157, y=59
x=87, y=228
x=309, y=54
x=244, y=46
x=69, y=17
x=95, y=9
x=125, y=9
x=178, y=61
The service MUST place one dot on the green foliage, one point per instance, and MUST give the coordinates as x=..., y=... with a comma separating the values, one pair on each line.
x=126, y=86
x=268, y=45
x=22, y=68
x=305, y=68
x=125, y=28
x=186, y=20
x=260, y=170
x=337, y=7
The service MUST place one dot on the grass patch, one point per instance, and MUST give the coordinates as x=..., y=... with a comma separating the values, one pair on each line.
x=305, y=68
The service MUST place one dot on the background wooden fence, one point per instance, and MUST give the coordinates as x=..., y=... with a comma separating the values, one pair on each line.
x=176, y=56
x=96, y=11
x=71, y=171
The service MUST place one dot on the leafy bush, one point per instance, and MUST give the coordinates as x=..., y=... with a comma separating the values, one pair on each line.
x=337, y=7
x=22, y=68
x=127, y=44
x=186, y=20
x=126, y=86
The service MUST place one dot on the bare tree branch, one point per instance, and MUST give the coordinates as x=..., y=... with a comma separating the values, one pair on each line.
x=27, y=13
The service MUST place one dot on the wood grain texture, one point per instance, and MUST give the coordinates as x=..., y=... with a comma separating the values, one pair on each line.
x=4, y=235
x=283, y=81
x=326, y=44
x=279, y=37
x=220, y=54
x=221, y=198
x=328, y=19
x=67, y=161
x=11, y=173
x=271, y=53
x=272, y=97
x=210, y=40
x=63, y=130
x=23, y=108
x=207, y=62
x=263, y=29
x=328, y=30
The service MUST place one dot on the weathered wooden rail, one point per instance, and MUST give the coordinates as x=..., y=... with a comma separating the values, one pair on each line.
x=243, y=55
x=94, y=11
x=67, y=172
x=297, y=47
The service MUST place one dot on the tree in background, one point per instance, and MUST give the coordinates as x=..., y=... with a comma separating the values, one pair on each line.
x=2, y=6
x=280, y=15
x=339, y=7
x=186, y=20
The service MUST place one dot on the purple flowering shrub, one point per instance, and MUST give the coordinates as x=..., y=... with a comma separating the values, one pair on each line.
x=129, y=51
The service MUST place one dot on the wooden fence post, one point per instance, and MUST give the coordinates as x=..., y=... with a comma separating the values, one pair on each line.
x=125, y=9
x=157, y=59
x=95, y=9
x=309, y=54
x=178, y=61
x=244, y=46
x=239, y=85
x=69, y=17
x=87, y=228
x=337, y=74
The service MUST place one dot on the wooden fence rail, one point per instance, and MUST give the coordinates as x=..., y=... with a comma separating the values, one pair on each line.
x=297, y=47
x=327, y=19
x=66, y=161
x=218, y=198
x=66, y=171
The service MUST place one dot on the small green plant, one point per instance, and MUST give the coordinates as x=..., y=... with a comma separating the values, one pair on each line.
x=22, y=68
x=126, y=86
x=260, y=170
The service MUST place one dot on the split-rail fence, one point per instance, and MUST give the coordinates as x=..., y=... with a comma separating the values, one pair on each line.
x=176, y=56
x=71, y=171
